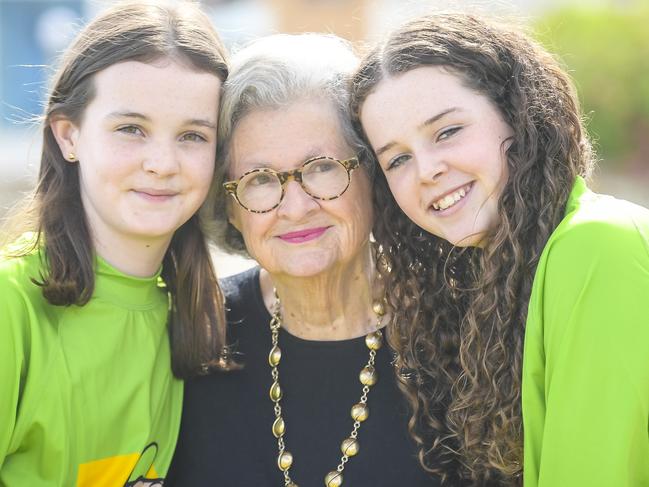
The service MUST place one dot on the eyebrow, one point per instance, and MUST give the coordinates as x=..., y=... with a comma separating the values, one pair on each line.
x=426, y=123
x=259, y=164
x=201, y=122
x=128, y=115
x=440, y=115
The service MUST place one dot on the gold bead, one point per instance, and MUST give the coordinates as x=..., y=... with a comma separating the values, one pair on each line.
x=279, y=427
x=360, y=412
x=291, y=484
x=275, y=392
x=368, y=376
x=334, y=479
x=383, y=264
x=350, y=447
x=284, y=461
x=378, y=308
x=274, y=356
x=374, y=340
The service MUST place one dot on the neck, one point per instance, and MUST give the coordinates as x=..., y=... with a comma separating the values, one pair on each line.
x=335, y=305
x=135, y=257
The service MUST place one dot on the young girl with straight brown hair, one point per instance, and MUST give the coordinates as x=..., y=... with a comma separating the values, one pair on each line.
x=110, y=298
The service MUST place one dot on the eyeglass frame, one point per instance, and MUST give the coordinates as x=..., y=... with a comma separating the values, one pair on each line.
x=292, y=175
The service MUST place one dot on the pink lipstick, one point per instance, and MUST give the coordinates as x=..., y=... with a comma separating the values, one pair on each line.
x=305, y=235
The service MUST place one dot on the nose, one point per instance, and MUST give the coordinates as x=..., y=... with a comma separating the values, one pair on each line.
x=296, y=204
x=431, y=167
x=161, y=159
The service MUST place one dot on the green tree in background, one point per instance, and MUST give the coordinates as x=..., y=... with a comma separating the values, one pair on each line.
x=607, y=52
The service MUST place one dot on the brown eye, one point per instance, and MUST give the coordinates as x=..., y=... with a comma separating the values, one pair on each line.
x=324, y=166
x=193, y=137
x=261, y=178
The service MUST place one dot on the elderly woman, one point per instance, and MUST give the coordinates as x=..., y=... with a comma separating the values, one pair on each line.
x=316, y=399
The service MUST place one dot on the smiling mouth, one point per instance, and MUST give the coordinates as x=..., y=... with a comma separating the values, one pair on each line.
x=452, y=199
x=303, y=235
x=155, y=195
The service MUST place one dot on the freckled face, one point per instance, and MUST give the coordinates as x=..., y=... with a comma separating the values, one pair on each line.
x=303, y=236
x=442, y=149
x=146, y=149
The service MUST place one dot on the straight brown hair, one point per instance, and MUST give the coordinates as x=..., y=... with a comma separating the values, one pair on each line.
x=131, y=31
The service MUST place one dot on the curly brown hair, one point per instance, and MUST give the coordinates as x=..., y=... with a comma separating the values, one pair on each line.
x=459, y=314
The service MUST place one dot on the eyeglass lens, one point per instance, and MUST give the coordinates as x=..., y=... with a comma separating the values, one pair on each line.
x=321, y=178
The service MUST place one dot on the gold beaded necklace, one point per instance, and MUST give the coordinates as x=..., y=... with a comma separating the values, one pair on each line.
x=359, y=412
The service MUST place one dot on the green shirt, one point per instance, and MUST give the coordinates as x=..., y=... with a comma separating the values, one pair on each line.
x=87, y=397
x=586, y=358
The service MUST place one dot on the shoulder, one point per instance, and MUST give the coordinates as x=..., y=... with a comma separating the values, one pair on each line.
x=601, y=228
x=242, y=294
x=16, y=277
x=20, y=306
x=597, y=258
x=21, y=261
x=589, y=297
x=239, y=288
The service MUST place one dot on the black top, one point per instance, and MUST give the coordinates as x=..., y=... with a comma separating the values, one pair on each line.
x=226, y=439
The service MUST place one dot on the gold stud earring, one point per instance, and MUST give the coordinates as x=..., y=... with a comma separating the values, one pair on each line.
x=72, y=157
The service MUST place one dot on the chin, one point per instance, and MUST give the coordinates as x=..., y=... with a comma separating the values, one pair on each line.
x=304, y=262
x=153, y=233
x=308, y=268
x=306, y=271
x=474, y=239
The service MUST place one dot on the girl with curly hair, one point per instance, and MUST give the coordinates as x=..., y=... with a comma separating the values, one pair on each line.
x=519, y=296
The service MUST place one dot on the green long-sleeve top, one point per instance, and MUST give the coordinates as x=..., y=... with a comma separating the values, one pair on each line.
x=87, y=397
x=586, y=357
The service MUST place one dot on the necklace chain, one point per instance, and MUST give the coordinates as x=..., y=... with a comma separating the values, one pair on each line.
x=359, y=412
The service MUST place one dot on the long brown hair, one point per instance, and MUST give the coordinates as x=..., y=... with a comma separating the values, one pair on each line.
x=137, y=31
x=459, y=314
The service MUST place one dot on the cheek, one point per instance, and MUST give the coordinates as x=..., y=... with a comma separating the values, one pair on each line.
x=110, y=162
x=256, y=240
x=252, y=226
x=200, y=172
x=359, y=207
x=403, y=190
x=503, y=170
x=234, y=214
x=359, y=221
x=496, y=175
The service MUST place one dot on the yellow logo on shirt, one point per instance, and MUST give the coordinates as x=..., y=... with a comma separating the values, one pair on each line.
x=132, y=470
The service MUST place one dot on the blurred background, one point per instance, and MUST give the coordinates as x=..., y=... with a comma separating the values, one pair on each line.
x=603, y=43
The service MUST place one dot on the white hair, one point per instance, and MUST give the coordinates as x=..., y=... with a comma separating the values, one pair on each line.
x=275, y=72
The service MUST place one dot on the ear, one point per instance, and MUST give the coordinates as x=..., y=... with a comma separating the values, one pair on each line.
x=66, y=134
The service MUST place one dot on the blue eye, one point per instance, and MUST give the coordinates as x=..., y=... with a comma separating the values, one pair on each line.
x=449, y=132
x=193, y=137
x=397, y=161
x=130, y=130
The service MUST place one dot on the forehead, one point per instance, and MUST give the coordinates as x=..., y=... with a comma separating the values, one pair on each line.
x=416, y=89
x=404, y=102
x=284, y=138
x=166, y=87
